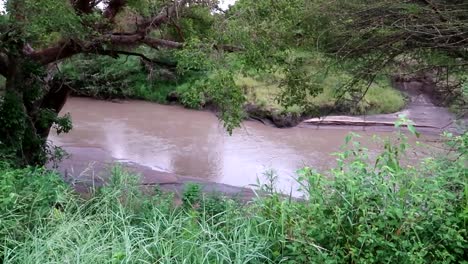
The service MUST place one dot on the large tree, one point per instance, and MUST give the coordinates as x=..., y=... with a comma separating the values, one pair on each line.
x=35, y=35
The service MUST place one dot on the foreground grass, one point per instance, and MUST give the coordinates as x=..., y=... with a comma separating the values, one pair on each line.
x=355, y=213
x=119, y=224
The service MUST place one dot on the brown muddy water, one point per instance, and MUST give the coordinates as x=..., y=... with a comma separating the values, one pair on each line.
x=166, y=143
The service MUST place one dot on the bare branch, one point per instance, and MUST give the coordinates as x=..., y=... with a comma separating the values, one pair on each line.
x=156, y=43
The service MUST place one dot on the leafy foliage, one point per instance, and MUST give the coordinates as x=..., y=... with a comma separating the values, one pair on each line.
x=370, y=214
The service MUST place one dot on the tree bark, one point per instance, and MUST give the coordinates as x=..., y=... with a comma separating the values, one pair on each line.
x=23, y=127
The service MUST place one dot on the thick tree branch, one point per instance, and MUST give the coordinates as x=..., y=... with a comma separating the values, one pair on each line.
x=156, y=43
x=68, y=48
x=163, y=17
x=60, y=51
x=136, y=39
x=115, y=53
x=113, y=8
x=126, y=39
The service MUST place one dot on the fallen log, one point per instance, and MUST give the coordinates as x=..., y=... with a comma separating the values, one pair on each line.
x=355, y=121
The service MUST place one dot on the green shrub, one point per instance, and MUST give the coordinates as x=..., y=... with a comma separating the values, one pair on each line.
x=364, y=213
x=192, y=194
x=192, y=94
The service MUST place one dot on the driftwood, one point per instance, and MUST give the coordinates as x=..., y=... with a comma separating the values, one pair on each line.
x=354, y=121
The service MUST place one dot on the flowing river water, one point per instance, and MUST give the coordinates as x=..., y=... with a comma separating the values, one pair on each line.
x=167, y=143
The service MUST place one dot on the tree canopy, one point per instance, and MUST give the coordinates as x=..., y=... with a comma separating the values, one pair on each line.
x=35, y=35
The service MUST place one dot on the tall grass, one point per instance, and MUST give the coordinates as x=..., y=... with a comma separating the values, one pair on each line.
x=356, y=213
x=121, y=225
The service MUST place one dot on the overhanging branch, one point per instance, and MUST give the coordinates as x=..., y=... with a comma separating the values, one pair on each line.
x=115, y=53
x=157, y=43
x=58, y=52
x=68, y=48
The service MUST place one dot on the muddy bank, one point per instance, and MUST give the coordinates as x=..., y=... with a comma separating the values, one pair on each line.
x=423, y=108
x=91, y=167
x=427, y=102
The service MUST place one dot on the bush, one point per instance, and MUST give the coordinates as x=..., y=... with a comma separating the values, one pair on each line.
x=387, y=212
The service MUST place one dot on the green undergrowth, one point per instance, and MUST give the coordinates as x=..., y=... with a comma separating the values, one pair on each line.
x=123, y=77
x=358, y=212
x=265, y=90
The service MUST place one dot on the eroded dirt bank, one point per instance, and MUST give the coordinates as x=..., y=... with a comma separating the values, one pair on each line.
x=421, y=108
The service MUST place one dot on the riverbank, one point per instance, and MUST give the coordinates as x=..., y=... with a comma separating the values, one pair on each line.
x=419, y=106
x=426, y=115
x=88, y=168
x=42, y=219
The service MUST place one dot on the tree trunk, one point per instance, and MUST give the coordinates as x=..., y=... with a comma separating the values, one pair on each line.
x=28, y=112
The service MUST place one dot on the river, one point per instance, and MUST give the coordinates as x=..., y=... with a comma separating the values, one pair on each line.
x=165, y=142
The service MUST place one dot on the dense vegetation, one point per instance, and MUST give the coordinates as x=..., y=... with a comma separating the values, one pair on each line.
x=275, y=59
x=355, y=213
